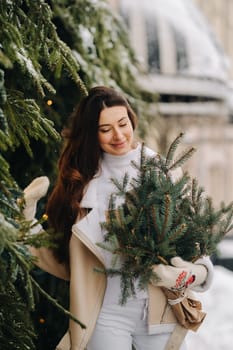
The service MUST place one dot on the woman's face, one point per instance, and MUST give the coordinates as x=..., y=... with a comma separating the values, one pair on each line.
x=115, y=131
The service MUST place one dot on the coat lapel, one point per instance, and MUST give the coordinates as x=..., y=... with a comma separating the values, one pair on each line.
x=88, y=229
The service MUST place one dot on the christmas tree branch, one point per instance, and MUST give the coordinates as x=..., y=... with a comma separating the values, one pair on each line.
x=55, y=303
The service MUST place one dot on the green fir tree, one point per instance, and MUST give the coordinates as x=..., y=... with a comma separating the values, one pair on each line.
x=46, y=65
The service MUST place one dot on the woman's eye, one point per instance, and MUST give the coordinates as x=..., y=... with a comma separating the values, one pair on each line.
x=104, y=130
x=122, y=125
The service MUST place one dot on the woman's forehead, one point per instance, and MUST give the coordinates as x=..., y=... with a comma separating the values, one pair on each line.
x=112, y=114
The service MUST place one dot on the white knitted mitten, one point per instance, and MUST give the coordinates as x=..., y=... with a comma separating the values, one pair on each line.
x=181, y=275
x=32, y=193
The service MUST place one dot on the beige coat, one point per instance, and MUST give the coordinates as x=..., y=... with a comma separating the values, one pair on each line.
x=87, y=287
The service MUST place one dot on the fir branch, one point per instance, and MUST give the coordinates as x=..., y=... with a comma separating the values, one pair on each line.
x=33, y=126
x=161, y=218
x=16, y=330
x=15, y=288
x=153, y=215
x=182, y=159
x=17, y=284
x=56, y=304
x=172, y=149
x=121, y=184
x=167, y=216
x=5, y=177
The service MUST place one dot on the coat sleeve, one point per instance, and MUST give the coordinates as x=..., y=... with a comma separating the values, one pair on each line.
x=46, y=261
x=210, y=274
x=45, y=258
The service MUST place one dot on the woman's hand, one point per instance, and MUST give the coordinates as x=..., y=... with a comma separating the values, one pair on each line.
x=180, y=275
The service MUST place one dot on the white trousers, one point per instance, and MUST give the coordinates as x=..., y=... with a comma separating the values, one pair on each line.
x=119, y=327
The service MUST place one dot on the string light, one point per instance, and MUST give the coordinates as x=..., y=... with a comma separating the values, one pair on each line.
x=49, y=102
x=45, y=217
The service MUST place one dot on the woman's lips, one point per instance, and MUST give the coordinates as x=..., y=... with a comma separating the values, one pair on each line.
x=119, y=145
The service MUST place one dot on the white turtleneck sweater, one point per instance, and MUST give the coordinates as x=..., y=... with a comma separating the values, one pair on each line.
x=115, y=167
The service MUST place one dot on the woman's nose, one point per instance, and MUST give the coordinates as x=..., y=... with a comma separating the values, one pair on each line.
x=117, y=134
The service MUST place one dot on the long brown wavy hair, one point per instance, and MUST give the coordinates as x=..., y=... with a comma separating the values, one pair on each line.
x=79, y=162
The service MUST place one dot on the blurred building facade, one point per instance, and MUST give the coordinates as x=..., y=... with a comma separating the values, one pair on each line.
x=219, y=15
x=185, y=62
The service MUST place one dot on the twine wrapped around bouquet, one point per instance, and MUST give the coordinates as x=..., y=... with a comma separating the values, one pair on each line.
x=162, y=218
x=188, y=311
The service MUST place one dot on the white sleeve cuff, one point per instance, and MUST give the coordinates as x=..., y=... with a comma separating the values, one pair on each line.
x=210, y=274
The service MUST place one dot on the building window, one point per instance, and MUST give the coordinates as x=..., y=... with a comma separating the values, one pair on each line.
x=152, y=38
x=181, y=50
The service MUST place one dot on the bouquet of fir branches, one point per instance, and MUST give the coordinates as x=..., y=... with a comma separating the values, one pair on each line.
x=160, y=218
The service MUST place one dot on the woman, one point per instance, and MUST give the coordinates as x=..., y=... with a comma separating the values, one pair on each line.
x=100, y=145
